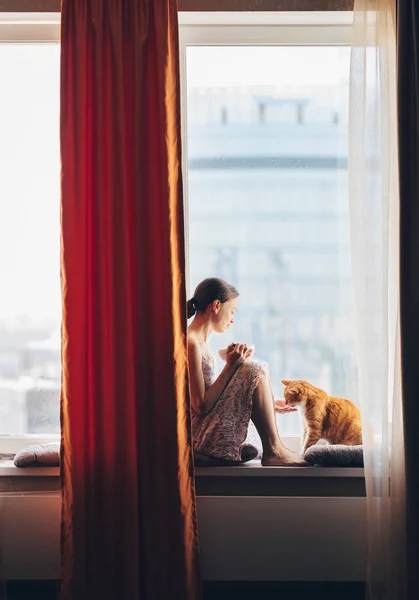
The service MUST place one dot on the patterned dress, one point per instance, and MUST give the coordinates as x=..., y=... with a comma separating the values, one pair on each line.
x=222, y=432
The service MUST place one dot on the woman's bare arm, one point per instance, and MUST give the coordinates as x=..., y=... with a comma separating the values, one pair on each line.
x=203, y=401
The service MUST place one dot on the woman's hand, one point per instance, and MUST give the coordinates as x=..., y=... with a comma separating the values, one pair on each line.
x=236, y=354
x=248, y=354
x=281, y=407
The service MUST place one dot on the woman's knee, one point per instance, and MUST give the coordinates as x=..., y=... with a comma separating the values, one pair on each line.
x=253, y=368
x=264, y=374
x=250, y=365
x=261, y=373
x=262, y=370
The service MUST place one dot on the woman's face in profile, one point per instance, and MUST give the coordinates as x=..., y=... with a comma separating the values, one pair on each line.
x=225, y=316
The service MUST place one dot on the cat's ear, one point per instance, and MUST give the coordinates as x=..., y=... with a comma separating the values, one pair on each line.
x=286, y=381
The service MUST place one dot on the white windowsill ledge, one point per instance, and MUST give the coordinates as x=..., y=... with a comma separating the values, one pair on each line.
x=250, y=469
x=8, y=469
x=254, y=469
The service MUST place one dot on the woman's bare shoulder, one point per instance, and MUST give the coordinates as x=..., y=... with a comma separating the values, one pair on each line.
x=194, y=346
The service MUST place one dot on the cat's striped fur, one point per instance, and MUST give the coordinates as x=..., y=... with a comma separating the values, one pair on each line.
x=324, y=417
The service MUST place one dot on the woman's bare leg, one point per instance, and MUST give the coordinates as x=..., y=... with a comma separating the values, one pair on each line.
x=263, y=416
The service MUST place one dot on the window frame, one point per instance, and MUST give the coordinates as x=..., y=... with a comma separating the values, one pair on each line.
x=20, y=28
x=323, y=28
x=30, y=28
x=320, y=28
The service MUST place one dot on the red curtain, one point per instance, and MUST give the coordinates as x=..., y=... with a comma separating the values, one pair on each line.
x=129, y=522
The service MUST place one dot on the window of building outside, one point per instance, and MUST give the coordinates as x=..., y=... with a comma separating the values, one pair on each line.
x=30, y=301
x=267, y=204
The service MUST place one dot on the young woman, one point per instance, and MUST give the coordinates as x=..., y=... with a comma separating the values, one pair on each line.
x=223, y=404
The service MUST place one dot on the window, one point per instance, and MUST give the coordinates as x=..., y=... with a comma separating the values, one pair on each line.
x=266, y=129
x=30, y=302
x=265, y=133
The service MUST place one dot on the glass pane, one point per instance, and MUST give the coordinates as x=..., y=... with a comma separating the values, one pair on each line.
x=268, y=205
x=30, y=301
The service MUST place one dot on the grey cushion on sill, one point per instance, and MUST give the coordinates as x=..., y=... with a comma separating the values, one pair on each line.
x=36, y=455
x=338, y=455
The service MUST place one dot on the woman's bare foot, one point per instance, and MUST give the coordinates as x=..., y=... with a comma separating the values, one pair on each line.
x=283, y=458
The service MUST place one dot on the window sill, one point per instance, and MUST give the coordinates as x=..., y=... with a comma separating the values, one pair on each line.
x=253, y=468
x=8, y=469
x=250, y=480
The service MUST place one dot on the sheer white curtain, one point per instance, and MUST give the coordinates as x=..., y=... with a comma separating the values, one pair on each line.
x=374, y=221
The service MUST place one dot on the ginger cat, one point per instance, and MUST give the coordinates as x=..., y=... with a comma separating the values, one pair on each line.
x=334, y=419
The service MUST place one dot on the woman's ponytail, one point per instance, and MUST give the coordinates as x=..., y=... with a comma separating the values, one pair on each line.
x=191, y=307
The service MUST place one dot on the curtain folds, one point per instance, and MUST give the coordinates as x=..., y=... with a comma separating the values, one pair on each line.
x=129, y=520
x=374, y=221
x=408, y=129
